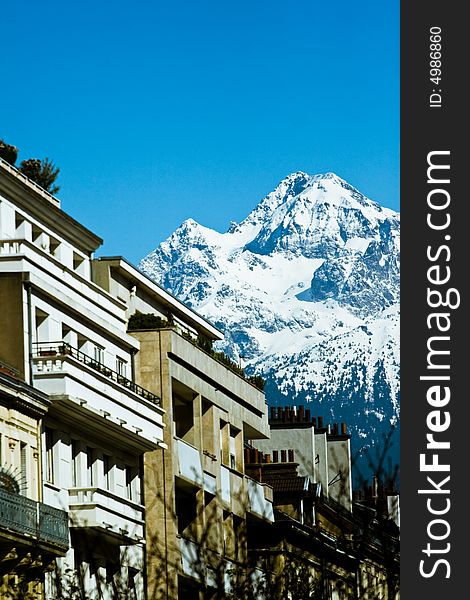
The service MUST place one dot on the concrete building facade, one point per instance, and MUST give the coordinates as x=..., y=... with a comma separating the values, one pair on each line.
x=199, y=498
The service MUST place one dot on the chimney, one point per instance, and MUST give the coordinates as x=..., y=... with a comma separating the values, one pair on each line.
x=283, y=456
x=301, y=414
x=314, y=421
x=275, y=456
x=320, y=422
x=267, y=458
x=291, y=456
x=335, y=429
x=307, y=415
x=343, y=429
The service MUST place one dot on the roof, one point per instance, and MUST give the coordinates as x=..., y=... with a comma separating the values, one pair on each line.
x=287, y=485
x=178, y=308
x=32, y=198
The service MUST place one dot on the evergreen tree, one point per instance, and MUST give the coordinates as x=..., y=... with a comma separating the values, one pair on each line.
x=43, y=172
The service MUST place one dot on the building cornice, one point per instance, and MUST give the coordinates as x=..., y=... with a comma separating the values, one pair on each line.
x=163, y=297
x=17, y=394
x=45, y=208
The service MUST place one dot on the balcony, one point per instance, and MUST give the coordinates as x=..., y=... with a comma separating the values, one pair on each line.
x=59, y=349
x=260, y=499
x=240, y=492
x=196, y=369
x=190, y=467
x=243, y=494
x=84, y=390
x=63, y=282
x=97, y=508
x=192, y=561
x=33, y=521
x=189, y=462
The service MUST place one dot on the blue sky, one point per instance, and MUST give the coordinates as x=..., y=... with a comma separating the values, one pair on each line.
x=160, y=111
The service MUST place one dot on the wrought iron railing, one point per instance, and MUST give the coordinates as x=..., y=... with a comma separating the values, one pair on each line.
x=51, y=350
x=33, y=519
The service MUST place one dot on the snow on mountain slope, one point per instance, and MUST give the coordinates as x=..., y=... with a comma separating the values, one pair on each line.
x=306, y=289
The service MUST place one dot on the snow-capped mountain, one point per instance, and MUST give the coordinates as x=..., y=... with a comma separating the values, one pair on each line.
x=306, y=289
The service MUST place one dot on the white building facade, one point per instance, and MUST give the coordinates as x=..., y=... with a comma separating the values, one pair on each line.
x=66, y=336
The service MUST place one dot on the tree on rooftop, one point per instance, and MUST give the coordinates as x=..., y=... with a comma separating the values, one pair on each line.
x=43, y=172
x=8, y=152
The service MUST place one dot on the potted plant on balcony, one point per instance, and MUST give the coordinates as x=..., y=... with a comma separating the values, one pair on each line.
x=121, y=380
x=47, y=352
x=147, y=321
x=64, y=349
x=8, y=152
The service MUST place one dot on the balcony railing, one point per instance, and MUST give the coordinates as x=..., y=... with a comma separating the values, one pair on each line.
x=52, y=350
x=33, y=519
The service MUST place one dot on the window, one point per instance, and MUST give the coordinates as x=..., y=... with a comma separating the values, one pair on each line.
x=121, y=367
x=183, y=417
x=98, y=354
x=49, y=443
x=186, y=510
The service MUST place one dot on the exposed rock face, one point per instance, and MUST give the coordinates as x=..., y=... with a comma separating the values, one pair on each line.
x=307, y=290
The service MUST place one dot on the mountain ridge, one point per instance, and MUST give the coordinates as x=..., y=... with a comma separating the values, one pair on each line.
x=306, y=290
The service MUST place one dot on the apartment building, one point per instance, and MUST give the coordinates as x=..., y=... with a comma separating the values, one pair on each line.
x=32, y=533
x=322, y=451
x=66, y=339
x=338, y=545
x=200, y=503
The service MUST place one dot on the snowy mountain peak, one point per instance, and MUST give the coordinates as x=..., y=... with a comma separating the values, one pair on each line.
x=306, y=288
x=307, y=214
x=189, y=224
x=300, y=191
